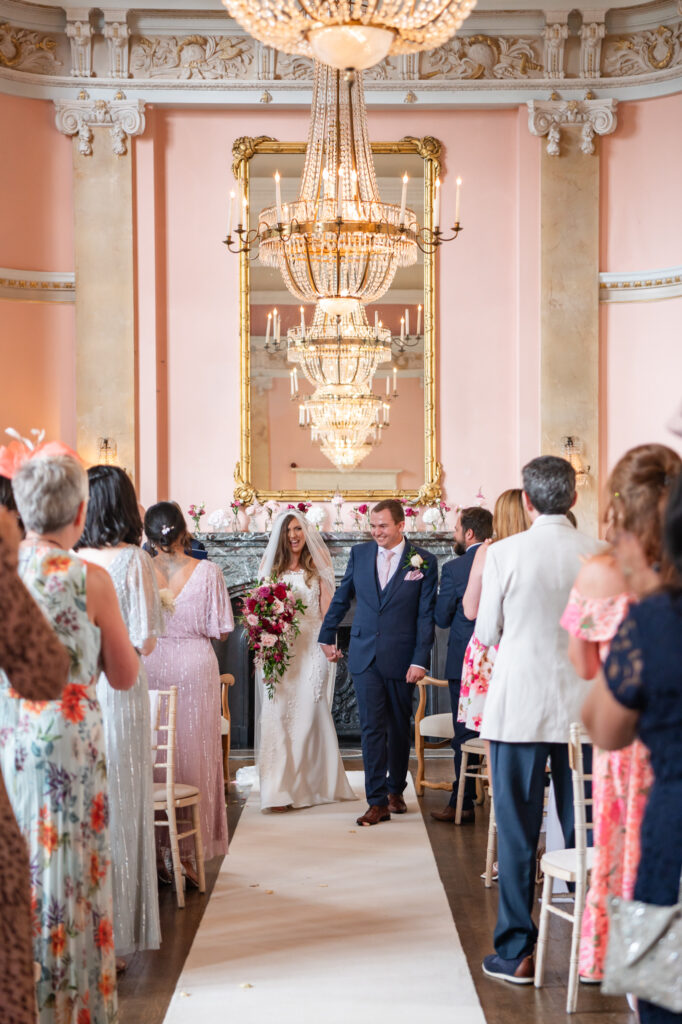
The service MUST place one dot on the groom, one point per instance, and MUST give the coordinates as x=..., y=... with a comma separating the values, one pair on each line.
x=395, y=586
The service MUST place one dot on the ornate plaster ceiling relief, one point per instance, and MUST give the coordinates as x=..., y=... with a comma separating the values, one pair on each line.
x=185, y=53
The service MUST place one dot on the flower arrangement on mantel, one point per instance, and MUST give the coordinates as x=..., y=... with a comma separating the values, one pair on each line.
x=195, y=513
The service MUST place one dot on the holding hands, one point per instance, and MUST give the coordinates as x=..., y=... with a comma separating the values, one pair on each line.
x=332, y=652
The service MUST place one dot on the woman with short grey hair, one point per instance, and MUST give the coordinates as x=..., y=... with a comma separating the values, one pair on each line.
x=52, y=752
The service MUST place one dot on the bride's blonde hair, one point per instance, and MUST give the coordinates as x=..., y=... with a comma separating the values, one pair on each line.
x=282, y=557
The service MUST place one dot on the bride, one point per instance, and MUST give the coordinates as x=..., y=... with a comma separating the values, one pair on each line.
x=297, y=750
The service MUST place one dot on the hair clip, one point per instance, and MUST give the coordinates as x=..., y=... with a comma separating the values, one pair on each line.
x=165, y=530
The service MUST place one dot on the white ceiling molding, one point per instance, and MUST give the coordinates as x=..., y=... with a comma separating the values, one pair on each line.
x=641, y=286
x=36, y=286
x=181, y=55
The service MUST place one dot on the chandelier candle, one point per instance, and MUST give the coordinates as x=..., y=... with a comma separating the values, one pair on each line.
x=267, y=329
x=407, y=322
x=419, y=320
x=436, y=212
x=458, y=196
x=302, y=321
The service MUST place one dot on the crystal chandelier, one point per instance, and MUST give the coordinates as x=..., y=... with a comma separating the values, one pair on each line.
x=351, y=33
x=339, y=349
x=345, y=422
x=338, y=241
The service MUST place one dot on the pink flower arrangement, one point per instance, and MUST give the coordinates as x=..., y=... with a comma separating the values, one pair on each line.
x=195, y=512
x=359, y=513
x=302, y=506
x=411, y=513
x=269, y=616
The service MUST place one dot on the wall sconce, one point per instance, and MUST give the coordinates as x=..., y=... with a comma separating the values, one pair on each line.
x=107, y=451
x=572, y=450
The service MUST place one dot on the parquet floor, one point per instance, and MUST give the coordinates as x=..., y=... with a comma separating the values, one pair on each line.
x=147, y=985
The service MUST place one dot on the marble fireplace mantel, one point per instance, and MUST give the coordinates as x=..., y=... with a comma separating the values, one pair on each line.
x=239, y=554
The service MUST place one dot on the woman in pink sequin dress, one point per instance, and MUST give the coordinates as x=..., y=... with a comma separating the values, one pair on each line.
x=638, y=491
x=199, y=610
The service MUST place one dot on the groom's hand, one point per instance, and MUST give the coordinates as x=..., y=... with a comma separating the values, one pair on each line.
x=414, y=674
x=331, y=652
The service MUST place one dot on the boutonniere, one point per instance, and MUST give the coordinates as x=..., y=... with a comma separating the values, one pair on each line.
x=413, y=560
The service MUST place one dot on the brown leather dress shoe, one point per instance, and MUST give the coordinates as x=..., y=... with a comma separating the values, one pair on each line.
x=447, y=814
x=396, y=804
x=373, y=815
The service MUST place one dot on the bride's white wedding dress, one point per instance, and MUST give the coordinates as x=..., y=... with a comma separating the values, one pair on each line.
x=299, y=761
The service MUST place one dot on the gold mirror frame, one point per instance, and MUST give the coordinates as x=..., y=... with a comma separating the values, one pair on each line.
x=429, y=150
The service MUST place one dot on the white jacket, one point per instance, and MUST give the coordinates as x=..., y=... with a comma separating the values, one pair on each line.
x=534, y=692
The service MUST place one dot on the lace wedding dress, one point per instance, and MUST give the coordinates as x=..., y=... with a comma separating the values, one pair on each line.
x=299, y=761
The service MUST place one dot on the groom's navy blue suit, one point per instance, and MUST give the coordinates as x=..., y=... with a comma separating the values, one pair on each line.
x=392, y=629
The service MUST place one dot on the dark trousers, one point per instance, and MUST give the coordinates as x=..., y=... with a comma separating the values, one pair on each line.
x=518, y=771
x=385, y=709
x=462, y=734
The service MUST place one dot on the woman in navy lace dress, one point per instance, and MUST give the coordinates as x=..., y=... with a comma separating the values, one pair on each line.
x=640, y=694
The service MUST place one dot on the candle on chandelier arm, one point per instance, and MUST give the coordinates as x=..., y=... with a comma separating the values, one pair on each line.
x=436, y=207
x=302, y=321
x=231, y=214
x=403, y=199
x=419, y=320
x=291, y=382
x=388, y=384
x=354, y=179
x=301, y=416
x=295, y=372
x=458, y=197
x=402, y=328
x=275, y=326
x=242, y=200
x=395, y=380
x=278, y=197
x=387, y=413
x=376, y=319
x=407, y=322
x=267, y=329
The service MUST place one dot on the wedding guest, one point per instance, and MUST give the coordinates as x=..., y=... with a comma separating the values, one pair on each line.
x=199, y=609
x=639, y=694
x=298, y=752
x=472, y=527
x=52, y=751
x=391, y=638
x=509, y=517
x=534, y=696
x=35, y=665
x=111, y=539
x=637, y=490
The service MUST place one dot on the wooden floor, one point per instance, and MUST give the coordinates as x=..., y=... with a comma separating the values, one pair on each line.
x=146, y=987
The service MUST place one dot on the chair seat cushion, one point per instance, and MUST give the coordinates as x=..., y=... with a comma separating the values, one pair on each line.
x=563, y=863
x=439, y=726
x=182, y=791
x=474, y=746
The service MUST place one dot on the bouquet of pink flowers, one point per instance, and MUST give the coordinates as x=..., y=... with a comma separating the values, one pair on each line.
x=270, y=618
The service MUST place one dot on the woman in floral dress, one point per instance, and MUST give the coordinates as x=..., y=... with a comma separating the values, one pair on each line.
x=622, y=779
x=53, y=757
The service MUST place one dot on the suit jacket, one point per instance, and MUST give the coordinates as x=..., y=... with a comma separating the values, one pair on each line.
x=534, y=692
x=394, y=626
x=450, y=613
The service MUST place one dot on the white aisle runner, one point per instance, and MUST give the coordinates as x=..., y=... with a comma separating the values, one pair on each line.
x=313, y=919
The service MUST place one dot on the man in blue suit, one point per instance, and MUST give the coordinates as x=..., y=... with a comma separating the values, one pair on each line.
x=473, y=526
x=395, y=585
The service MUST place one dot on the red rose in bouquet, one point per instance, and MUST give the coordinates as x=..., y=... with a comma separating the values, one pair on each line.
x=271, y=624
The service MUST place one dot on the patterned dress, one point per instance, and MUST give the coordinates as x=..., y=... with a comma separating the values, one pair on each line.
x=52, y=755
x=37, y=666
x=476, y=672
x=184, y=657
x=128, y=741
x=621, y=783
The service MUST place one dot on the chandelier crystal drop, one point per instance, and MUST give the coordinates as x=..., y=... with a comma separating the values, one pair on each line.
x=345, y=422
x=338, y=241
x=351, y=33
x=339, y=350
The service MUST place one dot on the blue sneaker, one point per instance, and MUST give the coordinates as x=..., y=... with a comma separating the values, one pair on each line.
x=519, y=971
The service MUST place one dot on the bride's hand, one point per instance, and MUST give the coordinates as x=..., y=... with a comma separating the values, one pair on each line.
x=331, y=652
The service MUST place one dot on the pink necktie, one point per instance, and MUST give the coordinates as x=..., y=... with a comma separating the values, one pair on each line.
x=385, y=568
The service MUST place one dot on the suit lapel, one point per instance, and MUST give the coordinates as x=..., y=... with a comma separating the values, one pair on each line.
x=373, y=582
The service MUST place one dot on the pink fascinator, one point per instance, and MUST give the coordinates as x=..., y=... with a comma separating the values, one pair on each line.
x=21, y=449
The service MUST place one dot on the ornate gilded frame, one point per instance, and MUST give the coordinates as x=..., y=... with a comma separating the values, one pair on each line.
x=429, y=150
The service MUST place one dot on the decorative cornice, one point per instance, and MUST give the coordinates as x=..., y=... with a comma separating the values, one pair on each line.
x=549, y=117
x=36, y=286
x=79, y=117
x=641, y=285
x=24, y=50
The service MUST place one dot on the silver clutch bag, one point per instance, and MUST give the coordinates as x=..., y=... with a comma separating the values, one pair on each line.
x=644, y=954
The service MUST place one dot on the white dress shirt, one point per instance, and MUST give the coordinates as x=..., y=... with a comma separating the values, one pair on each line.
x=394, y=563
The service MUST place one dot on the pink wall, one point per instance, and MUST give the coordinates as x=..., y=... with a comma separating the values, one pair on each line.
x=37, y=347
x=38, y=379
x=640, y=178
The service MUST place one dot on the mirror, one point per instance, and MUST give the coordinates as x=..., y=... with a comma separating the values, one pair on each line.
x=279, y=459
